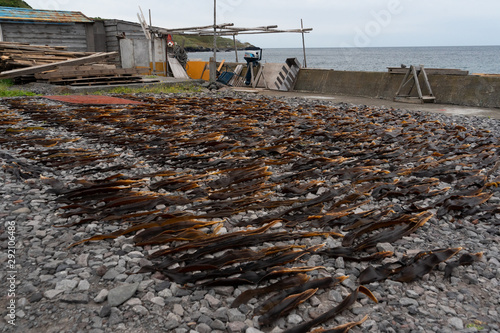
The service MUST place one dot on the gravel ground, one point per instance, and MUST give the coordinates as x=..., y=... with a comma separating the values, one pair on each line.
x=101, y=286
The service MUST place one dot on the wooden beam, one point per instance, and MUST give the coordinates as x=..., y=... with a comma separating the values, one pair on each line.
x=227, y=29
x=430, y=71
x=190, y=29
x=42, y=68
x=254, y=32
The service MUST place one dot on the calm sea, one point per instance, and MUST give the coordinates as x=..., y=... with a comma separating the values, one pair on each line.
x=475, y=59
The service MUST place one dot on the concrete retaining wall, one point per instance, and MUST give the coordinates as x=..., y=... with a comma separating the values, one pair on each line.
x=470, y=90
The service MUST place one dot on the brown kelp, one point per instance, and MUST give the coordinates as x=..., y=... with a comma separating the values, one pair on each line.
x=232, y=191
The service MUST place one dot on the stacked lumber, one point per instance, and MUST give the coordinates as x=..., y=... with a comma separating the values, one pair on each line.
x=55, y=65
x=87, y=75
x=27, y=74
x=19, y=55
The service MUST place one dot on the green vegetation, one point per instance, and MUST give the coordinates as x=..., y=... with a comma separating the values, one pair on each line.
x=207, y=42
x=476, y=324
x=6, y=91
x=153, y=89
x=14, y=3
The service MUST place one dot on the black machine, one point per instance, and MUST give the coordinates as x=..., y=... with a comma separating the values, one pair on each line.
x=252, y=58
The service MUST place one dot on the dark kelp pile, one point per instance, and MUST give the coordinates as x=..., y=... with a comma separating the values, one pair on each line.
x=244, y=189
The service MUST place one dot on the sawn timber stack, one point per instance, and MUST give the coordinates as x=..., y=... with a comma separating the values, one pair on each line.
x=27, y=63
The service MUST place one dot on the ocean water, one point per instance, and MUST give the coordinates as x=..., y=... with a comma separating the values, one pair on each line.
x=475, y=59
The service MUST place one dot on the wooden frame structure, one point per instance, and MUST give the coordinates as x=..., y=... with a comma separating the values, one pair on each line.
x=411, y=80
x=228, y=29
x=216, y=30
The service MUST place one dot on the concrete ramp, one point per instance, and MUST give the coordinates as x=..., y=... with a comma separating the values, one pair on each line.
x=280, y=77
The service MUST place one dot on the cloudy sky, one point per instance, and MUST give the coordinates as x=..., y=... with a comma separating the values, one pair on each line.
x=336, y=23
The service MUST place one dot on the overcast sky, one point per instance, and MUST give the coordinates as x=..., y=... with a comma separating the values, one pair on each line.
x=336, y=23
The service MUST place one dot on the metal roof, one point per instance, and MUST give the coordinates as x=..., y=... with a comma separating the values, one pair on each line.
x=19, y=15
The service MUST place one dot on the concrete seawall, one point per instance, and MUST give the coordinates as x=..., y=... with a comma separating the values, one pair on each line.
x=470, y=90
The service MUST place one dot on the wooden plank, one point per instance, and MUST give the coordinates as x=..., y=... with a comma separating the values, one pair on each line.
x=97, y=78
x=426, y=81
x=430, y=71
x=105, y=83
x=31, y=47
x=40, y=57
x=177, y=68
x=85, y=67
x=415, y=100
x=411, y=100
x=87, y=73
x=42, y=68
x=417, y=81
x=404, y=82
x=237, y=73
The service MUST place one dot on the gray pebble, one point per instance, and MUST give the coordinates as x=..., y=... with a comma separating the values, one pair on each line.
x=218, y=325
x=121, y=294
x=23, y=210
x=36, y=297
x=235, y=315
x=456, y=323
x=222, y=314
x=178, y=310
x=75, y=298
x=115, y=317
x=101, y=297
x=111, y=274
x=405, y=301
x=105, y=311
x=141, y=310
x=203, y=328
x=50, y=294
x=212, y=301
x=236, y=327
x=294, y=319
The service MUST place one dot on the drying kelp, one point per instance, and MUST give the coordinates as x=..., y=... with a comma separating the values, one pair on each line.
x=281, y=298
x=348, y=301
x=342, y=328
x=244, y=192
x=410, y=269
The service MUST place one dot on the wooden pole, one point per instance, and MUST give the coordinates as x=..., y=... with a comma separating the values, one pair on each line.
x=235, y=47
x=153, y=45
x=213, y=74
x=165, y=49
x=215, y=30
x=303, y=42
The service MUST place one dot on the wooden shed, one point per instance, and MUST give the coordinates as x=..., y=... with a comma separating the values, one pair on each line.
x=136, y=50
x=80, y=33
x=128, y=39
